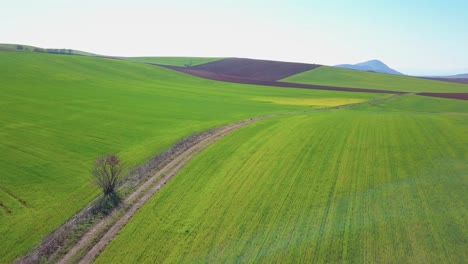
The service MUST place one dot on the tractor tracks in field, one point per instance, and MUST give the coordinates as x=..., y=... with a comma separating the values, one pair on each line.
x=101, y=234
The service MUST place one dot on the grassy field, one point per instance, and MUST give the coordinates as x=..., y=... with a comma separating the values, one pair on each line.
x=60, y=112
x=174, y=61
x=334, y=76
x=424, y=104
x=372, y=184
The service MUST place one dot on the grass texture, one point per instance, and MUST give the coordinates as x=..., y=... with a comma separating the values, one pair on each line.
x=373, y=184
x=60, y=112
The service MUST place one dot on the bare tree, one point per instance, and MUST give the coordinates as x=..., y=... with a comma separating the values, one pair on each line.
x=107, y=171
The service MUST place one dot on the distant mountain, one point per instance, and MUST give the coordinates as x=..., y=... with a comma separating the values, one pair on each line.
x=371, y=66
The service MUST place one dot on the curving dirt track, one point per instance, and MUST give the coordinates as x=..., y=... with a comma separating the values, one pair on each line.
x=143, y=194
x=263, y=70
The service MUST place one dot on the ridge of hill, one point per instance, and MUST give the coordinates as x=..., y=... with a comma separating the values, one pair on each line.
x=173, y=61
x=27, y=48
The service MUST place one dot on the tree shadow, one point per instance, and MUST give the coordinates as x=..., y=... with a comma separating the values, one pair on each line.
x=109, y=202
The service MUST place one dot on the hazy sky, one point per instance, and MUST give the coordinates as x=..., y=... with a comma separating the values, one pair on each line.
x=412, y=36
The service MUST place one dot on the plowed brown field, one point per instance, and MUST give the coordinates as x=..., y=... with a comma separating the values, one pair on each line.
x=255, y=69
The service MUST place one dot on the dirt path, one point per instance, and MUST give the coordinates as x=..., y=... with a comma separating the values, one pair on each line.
x=143, y=194
x=137, y=199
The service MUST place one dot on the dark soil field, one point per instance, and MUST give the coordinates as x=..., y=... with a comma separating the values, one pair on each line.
x=455, y=80
x=460, y=96
x=255, y=69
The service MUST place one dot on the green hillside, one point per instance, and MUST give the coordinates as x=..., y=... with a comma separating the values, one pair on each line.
x=60, y=112
x=174, y=61
x=365, y=185
x=333, y=76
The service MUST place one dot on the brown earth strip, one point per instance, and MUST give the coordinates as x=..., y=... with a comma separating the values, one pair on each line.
x=459, y=96
x=455, y=80
x=264, y=70
x=234, y=79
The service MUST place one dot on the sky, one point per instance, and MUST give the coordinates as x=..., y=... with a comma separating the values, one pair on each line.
x=414, y=37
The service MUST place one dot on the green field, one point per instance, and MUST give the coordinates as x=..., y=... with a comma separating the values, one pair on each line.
x=371, y=184
x=333, y=76
x=174, y=61
x=423, y=104
x=59, y=112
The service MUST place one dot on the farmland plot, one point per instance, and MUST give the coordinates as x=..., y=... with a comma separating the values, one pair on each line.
x=372, y=184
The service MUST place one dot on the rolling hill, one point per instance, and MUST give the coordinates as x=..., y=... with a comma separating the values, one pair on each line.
x=312, y=76
x=333, y=76
x=60, y=112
